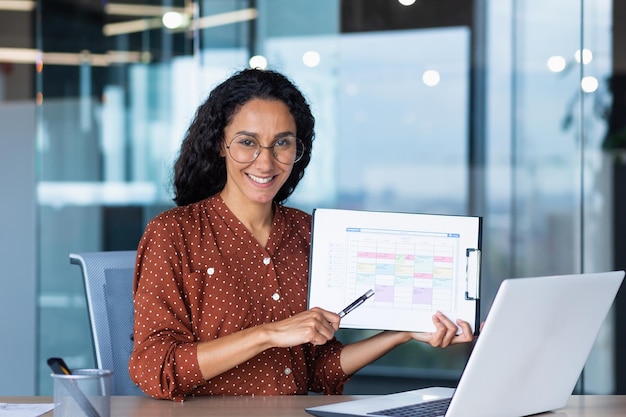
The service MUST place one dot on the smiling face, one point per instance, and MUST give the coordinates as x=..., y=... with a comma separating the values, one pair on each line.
x=257, y=182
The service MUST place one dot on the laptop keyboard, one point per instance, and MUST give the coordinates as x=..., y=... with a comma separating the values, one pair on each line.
x=435, y=408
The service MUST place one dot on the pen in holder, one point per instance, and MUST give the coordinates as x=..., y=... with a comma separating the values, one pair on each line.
x=80, y=392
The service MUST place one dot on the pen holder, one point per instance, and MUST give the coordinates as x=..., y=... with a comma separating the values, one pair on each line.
x=84, y=393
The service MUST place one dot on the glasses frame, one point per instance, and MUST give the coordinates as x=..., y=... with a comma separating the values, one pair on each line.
x=269, y=148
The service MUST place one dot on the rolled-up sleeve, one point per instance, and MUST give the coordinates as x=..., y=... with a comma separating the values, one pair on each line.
x=164, y=362
x=324, y=362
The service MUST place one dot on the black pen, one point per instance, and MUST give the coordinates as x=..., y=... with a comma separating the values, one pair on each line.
x=356, y=303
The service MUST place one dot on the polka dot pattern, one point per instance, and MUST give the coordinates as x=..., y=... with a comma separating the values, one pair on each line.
x=200, y=275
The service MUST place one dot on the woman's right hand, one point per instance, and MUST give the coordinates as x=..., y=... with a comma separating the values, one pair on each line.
x=315, y=326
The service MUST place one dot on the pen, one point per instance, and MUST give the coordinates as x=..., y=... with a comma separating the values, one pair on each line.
x=58, y=366
x=356, y=303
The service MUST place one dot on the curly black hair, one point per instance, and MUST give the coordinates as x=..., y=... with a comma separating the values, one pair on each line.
x=200, y=171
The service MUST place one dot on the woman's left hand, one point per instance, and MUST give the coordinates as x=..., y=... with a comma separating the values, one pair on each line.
x=445, y=333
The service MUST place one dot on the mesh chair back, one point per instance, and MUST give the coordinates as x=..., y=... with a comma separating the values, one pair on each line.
x=108, y=278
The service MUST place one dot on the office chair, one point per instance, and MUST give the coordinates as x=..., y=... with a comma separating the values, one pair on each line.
x=108, y=278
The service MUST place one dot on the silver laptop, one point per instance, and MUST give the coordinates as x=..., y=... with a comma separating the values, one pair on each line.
x=528, y=358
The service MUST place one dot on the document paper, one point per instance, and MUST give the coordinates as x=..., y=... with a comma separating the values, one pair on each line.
x=417, y=264
x=24, y=410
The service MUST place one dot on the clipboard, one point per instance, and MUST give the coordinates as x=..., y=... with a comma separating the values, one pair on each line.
x=416, y=264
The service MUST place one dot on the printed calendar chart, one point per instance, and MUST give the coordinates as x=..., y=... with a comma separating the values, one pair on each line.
x=417, y=264
x=409, y=270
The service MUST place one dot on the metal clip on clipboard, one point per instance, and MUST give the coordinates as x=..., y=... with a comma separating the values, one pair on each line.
x=472, y=270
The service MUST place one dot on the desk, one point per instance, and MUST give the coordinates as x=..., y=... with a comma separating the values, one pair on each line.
x=293, y=406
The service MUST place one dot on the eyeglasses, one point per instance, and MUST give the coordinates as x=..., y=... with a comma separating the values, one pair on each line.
x=245, y=149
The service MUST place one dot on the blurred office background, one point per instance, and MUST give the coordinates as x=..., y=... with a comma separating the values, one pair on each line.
x=511, y=110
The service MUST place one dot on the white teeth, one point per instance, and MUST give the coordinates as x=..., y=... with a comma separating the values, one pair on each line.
x=259, y=179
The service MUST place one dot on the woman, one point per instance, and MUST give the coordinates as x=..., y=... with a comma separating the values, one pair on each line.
x=221, y=280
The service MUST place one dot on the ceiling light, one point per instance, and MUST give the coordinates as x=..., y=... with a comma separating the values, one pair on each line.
x=173, y=20
x=140, y=25
x=17, y=5
x=226, y=18
x=311, y=59
x=556, y=63
x=131, y=26
x=35, y=56
x=589, y=84
x=258, y=61
x=431, y=78
x=139, y=10
x=585, y=57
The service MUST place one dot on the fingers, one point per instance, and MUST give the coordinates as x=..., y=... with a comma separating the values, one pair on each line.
x=316, y=326
x=329, y=317
x=324, y=324
x=466, y=332
x=445, y=331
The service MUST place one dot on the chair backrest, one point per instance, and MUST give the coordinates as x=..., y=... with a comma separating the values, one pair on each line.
x=108, y=278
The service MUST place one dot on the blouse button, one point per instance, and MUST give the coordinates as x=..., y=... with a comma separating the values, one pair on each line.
x=266, y=261
x=276, y=296
x=287, y=371
x=210, y=271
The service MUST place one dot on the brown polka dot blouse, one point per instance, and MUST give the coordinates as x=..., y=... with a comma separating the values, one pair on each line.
x=200, y=274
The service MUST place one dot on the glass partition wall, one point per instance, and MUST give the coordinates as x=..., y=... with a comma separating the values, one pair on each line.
x=489, y=108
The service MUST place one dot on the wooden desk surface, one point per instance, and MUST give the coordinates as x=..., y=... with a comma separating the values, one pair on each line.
x=293, y=406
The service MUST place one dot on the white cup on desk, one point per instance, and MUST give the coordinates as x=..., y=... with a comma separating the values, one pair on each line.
x=83, y=393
